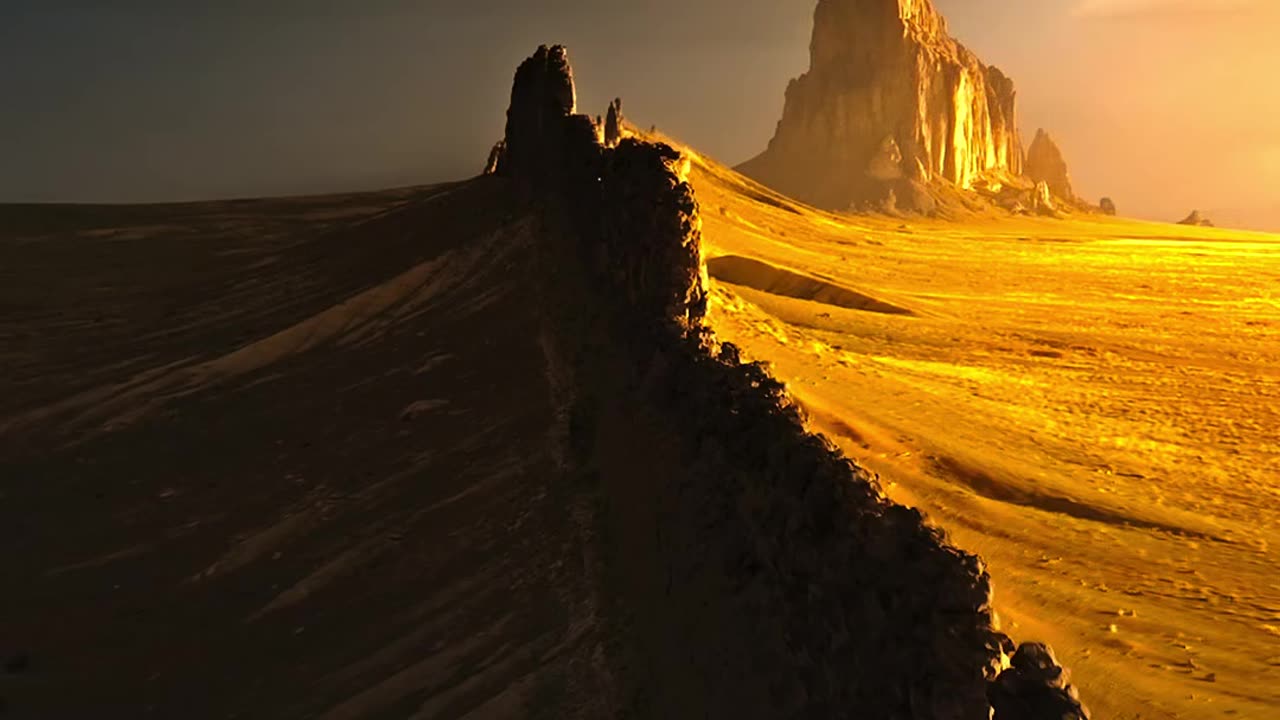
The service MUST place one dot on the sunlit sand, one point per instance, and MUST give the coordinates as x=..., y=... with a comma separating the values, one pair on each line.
x=1091, y=404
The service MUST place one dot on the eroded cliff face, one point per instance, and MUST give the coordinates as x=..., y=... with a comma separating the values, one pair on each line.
x=882, y=71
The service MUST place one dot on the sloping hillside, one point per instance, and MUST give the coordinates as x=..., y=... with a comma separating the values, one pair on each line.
x=1090, y=404
x=281, y=459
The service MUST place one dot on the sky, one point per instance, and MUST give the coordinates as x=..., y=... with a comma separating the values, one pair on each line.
x=1164, y=105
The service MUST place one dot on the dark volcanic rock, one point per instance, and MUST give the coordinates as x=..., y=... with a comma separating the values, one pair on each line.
x=1045, y=164
x=881, y=71
x=1107, y=206
x=541, y=97
x=1035, y=687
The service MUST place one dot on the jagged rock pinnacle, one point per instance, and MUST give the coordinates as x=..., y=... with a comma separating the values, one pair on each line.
x=542, y=95
x=613, y=123
x=1046, y=164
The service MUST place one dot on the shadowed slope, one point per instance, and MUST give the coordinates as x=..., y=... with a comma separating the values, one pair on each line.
x=284, y=467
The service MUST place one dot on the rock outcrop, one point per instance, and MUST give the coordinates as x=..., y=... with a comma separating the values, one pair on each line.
x=495, y=157
x=1042, y=202
x=1107, y=206
x=750, y=570
x=1046, y=164
x=886, y=73
x=1035, y=687
x=613, y=124
x=1196, y=219
x=542, y=95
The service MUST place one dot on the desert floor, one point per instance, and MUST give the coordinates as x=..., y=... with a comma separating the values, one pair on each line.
x=1093, y=405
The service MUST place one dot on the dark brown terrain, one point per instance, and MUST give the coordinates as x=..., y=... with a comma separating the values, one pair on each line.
x=279, y=458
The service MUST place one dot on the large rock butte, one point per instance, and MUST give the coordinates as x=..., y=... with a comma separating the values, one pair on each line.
x=1046, y=164
x=886, y=74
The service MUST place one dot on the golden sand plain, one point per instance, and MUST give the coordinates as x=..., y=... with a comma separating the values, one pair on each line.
x=1091, y=404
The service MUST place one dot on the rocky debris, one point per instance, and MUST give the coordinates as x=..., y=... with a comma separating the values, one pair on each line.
x=1107, y=206
x=794, y=586
x=613, y=124
x=1196, y=219
x=1035, y=687
x=888, y=69
x=1045, y=164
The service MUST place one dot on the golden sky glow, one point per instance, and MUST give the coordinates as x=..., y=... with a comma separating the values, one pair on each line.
x=1164, y=105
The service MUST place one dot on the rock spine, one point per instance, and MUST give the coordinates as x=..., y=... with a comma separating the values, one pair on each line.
x=791, y=585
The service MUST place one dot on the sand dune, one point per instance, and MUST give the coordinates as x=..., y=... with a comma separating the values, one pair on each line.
x=775, y=280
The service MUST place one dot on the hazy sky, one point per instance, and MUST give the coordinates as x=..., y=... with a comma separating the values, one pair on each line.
x=1165, y=105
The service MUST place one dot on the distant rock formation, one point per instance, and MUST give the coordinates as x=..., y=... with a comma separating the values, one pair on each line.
x=1046, y=164
x=1196, y=219
x=885, y=74
x=613, y=124
x=1107, y=206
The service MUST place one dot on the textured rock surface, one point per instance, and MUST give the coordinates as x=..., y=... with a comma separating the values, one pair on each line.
x=1107, y=206
x=881, y=71
x=1035, y=687
x=613, y=123
x=542, y=95
x=1046, y=164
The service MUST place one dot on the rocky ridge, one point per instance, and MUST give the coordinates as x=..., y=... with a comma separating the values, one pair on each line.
x=753, y=570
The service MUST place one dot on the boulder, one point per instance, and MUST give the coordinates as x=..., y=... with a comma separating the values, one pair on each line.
x=1107, y=206
x=1035, y=687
